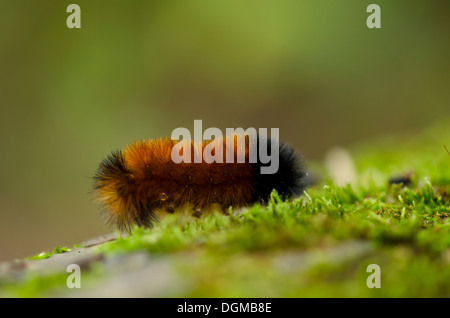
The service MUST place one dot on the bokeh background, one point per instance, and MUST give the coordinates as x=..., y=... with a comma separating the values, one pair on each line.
x=140, y=69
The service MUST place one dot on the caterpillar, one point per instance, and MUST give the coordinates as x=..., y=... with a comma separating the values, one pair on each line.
x=137, y=185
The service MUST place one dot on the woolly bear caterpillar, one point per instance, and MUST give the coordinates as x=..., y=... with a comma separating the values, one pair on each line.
x=135, y=184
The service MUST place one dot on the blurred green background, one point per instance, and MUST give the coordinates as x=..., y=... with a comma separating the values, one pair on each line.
x=140, y=69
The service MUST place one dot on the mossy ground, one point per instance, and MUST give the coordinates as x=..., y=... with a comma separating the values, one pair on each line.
x=294, y=249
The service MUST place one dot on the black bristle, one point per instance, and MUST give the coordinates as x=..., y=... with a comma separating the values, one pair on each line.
x=289, y=181
x=113, y=167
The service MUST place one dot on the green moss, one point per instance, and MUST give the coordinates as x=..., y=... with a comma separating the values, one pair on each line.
x=35, y=285
x=44, y=255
